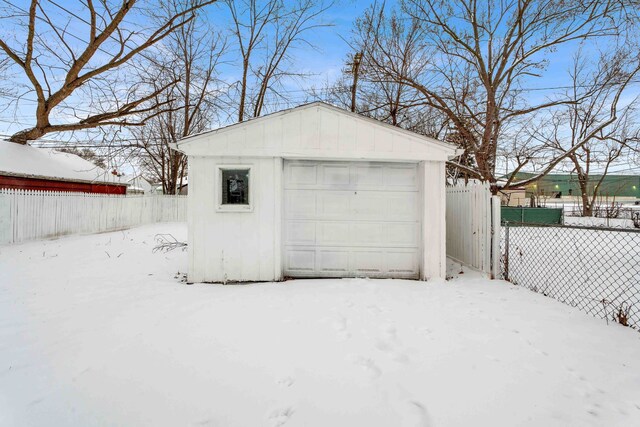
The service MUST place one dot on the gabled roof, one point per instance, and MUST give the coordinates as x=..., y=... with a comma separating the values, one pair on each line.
x=45, y=163
x=316, y=130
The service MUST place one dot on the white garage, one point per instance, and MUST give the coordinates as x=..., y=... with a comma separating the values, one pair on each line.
x=315, y=191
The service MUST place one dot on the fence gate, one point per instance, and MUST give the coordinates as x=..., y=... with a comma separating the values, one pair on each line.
x=473, y=227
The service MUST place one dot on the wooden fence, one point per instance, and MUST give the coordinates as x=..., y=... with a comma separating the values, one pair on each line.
x=31, y=215
x=473, y=227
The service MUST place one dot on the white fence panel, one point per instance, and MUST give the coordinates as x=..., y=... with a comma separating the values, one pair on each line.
x=469, y=225
x=30, y=215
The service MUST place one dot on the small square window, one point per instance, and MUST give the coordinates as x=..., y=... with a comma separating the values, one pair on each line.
x=235, y=186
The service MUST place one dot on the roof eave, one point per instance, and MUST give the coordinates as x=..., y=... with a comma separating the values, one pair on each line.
x=189, y=140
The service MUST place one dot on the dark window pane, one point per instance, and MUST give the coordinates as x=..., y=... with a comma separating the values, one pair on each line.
x=235, y=186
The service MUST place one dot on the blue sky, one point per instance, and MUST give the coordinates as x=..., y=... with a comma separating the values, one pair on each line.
x=325, y=63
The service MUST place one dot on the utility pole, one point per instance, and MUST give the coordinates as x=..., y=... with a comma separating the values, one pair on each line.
x=355, y=67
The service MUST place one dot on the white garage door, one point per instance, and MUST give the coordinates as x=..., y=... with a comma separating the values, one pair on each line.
x=351, y=219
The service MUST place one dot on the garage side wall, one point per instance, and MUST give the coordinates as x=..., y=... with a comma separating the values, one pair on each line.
x=234, y=246
x=434, y=258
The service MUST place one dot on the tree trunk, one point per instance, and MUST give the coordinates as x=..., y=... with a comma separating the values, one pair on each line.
x=27, y=135
x=243, y=89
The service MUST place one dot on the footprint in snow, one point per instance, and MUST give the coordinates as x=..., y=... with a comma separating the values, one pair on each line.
x=369, y=366
x=340, y=325
x=411, y=412
x=286, y=382
x=415, y=415
x=374, y=309
x=279, y=417
x=390, y=344
x=400, y=358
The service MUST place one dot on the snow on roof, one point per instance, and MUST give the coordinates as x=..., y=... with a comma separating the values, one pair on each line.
x=46, y=163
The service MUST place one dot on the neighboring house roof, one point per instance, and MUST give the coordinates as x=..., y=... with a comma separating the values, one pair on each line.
x=317, y=130
x=45, y=163
x=136, y=178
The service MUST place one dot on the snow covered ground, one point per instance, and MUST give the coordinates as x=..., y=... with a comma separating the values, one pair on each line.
x=580, y=267
x=99, y=331
x=598, y=222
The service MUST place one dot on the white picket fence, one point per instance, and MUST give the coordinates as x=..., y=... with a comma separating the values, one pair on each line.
x=473, y=231
x=31, y=215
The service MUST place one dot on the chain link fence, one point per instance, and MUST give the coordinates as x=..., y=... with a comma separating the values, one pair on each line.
x=595, y=269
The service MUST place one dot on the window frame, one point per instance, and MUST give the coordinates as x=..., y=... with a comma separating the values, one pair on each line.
x=220, y=207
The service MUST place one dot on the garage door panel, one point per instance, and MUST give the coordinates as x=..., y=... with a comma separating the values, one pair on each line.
x=303, y=174
x=368, y=177
x=404, y=262
x=336, y=175
x=300, y=233
x=357, y=219
x=403, y=206
x=300, y=204
x=333, y=260
x=367, y=262
x=369, y=205
x=333, y=204
x=333, y=233
x=371, y=234
x=403, y=234
x=401, y=177
x=300, y=260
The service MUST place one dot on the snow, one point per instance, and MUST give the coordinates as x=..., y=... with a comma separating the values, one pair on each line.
x=99, y=330
x=29, y=161
x=591, y=221
x=578, y=266
x=139, y=184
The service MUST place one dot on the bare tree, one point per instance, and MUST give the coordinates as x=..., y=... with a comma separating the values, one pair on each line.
x=471, y=60
x=4, y=76
x=265, y=33
x=577, y=132
x=187, y=106
x=364, y=88
x=94, y=65
x=87, y=154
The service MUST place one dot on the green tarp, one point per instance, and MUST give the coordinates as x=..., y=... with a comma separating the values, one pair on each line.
x=514, y=215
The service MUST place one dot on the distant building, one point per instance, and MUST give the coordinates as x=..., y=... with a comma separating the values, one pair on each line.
x=566, y=186
x=26, y=167
x=140, y=185
x=514, y=197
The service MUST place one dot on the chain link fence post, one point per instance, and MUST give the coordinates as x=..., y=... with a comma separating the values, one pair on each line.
x=506, y=251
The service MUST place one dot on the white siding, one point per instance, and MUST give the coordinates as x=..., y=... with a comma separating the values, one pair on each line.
x=233, y=246
x=316, y=132
x=434, y=260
